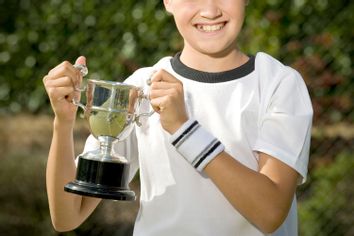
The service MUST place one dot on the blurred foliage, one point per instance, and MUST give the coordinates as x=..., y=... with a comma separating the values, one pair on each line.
x=331, y=200
x=118, y=37
x=313, y=37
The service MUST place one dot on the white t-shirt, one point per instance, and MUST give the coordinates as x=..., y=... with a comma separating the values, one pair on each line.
x=261, y=106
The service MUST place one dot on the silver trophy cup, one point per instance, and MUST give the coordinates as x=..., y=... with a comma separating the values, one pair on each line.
x=111, y=110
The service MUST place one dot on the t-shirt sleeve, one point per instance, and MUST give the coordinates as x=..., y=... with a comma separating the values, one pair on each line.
x=284, y=129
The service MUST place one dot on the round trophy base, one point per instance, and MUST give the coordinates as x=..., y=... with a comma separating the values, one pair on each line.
x=93, y=190
x=108, y=180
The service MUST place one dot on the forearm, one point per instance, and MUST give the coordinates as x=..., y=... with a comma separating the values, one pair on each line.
x=257, y=197
x=67, y=210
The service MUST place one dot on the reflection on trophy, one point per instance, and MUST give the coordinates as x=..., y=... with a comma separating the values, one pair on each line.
x=111, y=110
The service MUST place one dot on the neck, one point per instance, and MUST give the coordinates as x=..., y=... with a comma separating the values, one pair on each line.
x=213, y=62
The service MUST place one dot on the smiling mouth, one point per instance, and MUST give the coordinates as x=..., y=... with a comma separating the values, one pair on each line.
x=210, y=28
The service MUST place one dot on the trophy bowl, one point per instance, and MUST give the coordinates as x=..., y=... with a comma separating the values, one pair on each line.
x=111, y=110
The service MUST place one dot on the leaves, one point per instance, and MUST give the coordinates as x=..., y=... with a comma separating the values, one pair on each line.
x=117, y=38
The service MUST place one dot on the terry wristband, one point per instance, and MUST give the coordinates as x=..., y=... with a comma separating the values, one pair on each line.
x=196, y=144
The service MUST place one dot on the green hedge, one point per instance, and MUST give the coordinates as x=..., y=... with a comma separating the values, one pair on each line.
x=118, y=37
x=328, y=208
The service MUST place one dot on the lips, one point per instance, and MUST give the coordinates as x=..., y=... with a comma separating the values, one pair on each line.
x=208, y=28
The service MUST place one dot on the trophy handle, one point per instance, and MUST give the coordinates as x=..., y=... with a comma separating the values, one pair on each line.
x=146, y=97
x=146, y=114
x=82, y=68
x=83, y=71
x=79, y=104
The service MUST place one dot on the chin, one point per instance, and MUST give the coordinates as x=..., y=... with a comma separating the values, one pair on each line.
x=217, y=52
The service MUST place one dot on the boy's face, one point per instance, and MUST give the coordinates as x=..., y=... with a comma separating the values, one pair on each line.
x=208, y=26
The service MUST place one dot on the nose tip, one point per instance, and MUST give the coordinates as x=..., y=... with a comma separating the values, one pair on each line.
x=210, y=11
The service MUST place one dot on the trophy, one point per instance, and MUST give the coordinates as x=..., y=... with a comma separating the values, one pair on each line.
x=111, y=110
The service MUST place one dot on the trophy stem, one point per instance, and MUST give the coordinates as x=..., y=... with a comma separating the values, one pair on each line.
x=106, y=147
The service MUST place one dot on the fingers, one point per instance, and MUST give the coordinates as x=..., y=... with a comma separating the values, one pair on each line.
x=60, y=93
x=81, y=60
x=52, y=82
x=173, y=92
x=63, y=69
x=166, y=92
x=80, y=64
x=163, y=83
x=162, y=75
x=61, y=81
x=66, y=69
x=167, y=99
x=65, y=81
x=159, y=104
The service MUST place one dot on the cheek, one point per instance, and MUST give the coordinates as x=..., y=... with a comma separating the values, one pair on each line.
x=184, y=12
x=237, y=14
x=183, y=20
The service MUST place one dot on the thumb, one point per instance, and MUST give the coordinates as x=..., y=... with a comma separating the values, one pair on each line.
x=81, y=60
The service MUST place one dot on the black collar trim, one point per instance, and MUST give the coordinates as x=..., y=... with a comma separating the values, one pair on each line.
x=208, y=77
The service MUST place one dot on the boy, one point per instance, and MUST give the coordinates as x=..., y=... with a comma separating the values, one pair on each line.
x=226, y=147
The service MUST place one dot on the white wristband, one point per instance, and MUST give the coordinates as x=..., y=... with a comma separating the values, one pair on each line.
x=196, y=144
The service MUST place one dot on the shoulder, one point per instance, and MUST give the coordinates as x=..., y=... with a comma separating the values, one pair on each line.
x=272, y=66
x=272, y=72
x=139, y=77
x=278, y=81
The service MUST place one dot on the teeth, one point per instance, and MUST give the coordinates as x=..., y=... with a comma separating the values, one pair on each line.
x=211, y=28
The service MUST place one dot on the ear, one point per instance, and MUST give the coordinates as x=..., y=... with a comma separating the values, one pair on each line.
x=167, y=4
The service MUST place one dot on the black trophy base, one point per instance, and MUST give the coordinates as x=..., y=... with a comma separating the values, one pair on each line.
x=107, y=180
x=99, y=191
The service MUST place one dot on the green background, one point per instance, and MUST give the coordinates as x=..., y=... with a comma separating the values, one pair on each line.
x=118, y=37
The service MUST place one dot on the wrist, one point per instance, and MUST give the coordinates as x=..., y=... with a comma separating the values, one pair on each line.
x=176, y=126
x=196, y=144
x=63, y=125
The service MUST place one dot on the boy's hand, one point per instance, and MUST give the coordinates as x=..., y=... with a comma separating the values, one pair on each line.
x=60, y=84
x=167, y=99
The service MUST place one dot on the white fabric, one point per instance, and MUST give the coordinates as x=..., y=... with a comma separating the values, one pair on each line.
x=268, y=110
